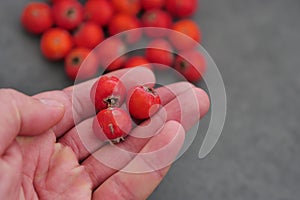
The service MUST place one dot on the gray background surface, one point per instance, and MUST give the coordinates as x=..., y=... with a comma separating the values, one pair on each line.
x=256, y=47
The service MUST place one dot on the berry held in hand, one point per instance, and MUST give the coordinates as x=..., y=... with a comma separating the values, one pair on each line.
x=112, y=124
x=107, y=92
x=143, y=102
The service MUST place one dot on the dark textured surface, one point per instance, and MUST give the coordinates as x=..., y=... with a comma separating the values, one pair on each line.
x=256, y=46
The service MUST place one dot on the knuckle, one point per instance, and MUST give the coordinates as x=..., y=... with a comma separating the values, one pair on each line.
x=77, y=105
x=9, y=97
x=73, y=143
x=8, y=92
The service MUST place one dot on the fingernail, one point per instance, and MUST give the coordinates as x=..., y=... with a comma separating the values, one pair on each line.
x=51, y=102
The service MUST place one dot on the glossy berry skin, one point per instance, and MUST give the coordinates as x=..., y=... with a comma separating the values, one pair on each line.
x=56, y=1
x=191, y=64
x=98, y=11
x=131, y=7
x=109, y=51
x=137, y=61
x=56, y=43
x=67, y=14
x=108, y=91
x=88, y=35
x=181, y=8
x=156, y=18
x=143, y=102
x=188, y=28
x=152, y=4
x=117, y=63
x=123, y=22
x=160, y=51
x=112, y=124
x=37, y=17
x=77, y=66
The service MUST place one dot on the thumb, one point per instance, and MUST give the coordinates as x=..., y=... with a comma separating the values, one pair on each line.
x=24, y=115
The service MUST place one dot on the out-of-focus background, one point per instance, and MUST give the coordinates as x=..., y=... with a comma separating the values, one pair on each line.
x=256, y=47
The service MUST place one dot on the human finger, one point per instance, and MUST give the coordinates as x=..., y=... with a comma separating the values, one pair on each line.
x=111, y=158
x=77, y=102
x=82, y=139
x=24, y=115
x=155, y=159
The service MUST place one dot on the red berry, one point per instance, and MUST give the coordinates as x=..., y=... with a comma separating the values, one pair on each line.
x=108, y=91
x=160, y=51
x=117, y=64
x=112, y=124
x=56, y=43
x=68, y=14
x=98, y=11
x=156, y=18
x=55, y=1
x=76, y=62
x=191, y=36
x=152, y=4
x=143, y=102
x=137, y=61
x=124, y=22
x=37, y=17
x=88, y=35
x=191, y=64
x=109, y=51
x=181, y=8
x=131, y=7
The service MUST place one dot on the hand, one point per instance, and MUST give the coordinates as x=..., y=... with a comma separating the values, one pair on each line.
x=43, y=149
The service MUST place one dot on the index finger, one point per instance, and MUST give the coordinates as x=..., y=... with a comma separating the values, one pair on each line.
x=77, y=102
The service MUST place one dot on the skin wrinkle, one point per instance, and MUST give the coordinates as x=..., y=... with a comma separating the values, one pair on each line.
x=34, y=193
x=94, y=176
x=162, y=147
x=72, y=143
x=79, y=179
x=40, y=155
x=60, y=149
x=73, y=137
x=18, y=114
x=26, y=175
x=67, y=102
x=61, y=193
x=35, y=173
x=172, y=118
x=167, y=90
x=78, y=109
x=10, y=165
x=121, y=177
x=10, y=94
x=111, y=171
x=120, y=184
x=54, y=153
x=77, y=172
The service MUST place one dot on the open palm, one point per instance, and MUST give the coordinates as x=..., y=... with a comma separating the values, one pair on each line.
x=52, y=158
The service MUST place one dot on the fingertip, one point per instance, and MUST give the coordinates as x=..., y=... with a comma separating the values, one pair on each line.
x=204, y=101
x=177, y=128
x=175, y=125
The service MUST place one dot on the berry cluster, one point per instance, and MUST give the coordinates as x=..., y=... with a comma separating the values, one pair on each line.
x=71, y=29
x=112, y=122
